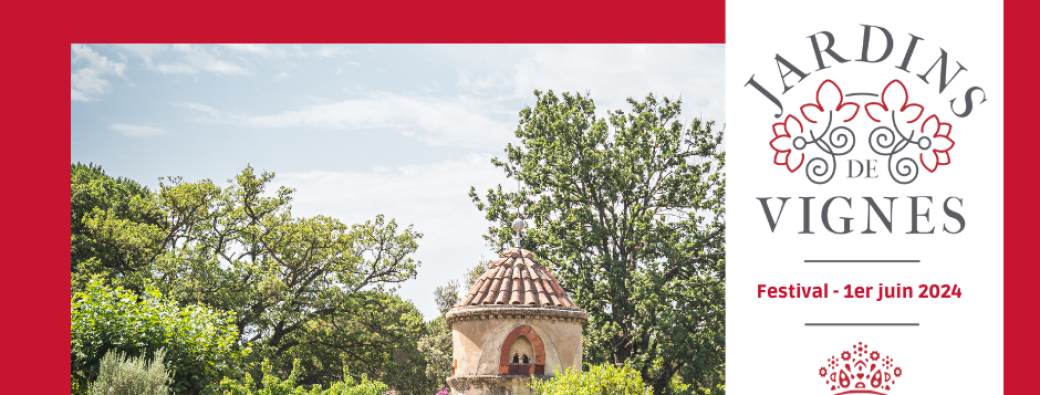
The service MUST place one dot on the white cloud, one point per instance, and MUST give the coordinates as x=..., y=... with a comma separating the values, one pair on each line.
x=331, y=52
x=496, y=83
x=281, y=76
x=612, y=73
x=257, y=49
x=462, y=122
x=88, y=82
x=340, y=69
x=136, y=130
x=448, y=121
x=494, y=88
x=198, y=107
x=79, y=96
x=185, y=58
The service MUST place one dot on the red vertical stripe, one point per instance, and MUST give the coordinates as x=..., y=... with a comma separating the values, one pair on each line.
x=1021, y=271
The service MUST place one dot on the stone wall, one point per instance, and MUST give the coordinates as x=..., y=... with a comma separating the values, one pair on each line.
x=477, y=339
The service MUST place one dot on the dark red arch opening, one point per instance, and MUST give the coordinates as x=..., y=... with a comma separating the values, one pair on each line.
x=537, y=366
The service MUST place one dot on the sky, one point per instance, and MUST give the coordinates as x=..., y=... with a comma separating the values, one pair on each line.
x=360, y=130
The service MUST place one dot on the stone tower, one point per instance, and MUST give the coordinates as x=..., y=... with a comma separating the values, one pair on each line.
x=515, y=322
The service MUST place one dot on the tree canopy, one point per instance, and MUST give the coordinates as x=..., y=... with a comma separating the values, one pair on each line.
x=436, y=345
x=628, y=210
x=307, y=288
x=95, y=192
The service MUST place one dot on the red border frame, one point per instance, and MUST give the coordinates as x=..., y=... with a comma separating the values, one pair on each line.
x=36, y=151
x=34, y=282
x=1021, y=314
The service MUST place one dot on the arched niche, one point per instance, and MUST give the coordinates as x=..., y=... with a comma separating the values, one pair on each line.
x=522, y=337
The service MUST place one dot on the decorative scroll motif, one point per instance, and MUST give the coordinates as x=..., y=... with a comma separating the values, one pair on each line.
x=897, y=134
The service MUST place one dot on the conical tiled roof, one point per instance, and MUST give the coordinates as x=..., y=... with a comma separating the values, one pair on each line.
x=517, y=279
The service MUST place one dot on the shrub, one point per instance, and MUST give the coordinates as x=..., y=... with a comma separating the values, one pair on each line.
x=598, y=380
x=272, y=385
x=200, y=344
x=677, y=387
x=120, y=375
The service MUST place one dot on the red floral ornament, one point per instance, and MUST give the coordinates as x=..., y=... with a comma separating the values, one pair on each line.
x=940, y=145
x=829, y=98
x=894, y=98
x=782, y=144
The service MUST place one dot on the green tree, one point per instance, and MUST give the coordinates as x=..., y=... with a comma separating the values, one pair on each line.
x=286, y=279
x=629, y=211
x=93, y=193
x=199, y=343
x=447, y=296
x=436, y=345
x=378, y=334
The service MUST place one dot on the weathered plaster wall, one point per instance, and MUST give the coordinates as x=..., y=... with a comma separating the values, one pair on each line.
x=478, y=343
x=522, y=346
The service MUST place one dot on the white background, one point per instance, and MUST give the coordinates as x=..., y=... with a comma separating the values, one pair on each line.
x=957, y=349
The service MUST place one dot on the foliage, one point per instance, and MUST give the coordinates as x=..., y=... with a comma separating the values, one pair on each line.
x=677, y=387
x=270, y=384
x=309, y=288
x=436, y=345
x=378, y=334
x=629, y=212
x=473, y=273
x=119, y=375
x=199, y=343
x=447, y=296
x=93, y=193
x=598, y=380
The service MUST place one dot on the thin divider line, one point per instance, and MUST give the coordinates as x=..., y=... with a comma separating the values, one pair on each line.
x=862, y=324
x=862, y=261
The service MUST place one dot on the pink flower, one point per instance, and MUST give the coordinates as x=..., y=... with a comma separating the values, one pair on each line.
x=782, y=143
x=894, y=98
x=940, y=143
x=829, y=98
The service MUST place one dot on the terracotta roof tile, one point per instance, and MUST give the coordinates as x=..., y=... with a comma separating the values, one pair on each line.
x=517, y=278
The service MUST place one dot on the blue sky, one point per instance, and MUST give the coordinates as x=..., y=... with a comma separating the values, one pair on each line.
x=359, y=130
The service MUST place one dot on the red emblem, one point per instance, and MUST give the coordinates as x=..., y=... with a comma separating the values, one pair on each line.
x=860, y=370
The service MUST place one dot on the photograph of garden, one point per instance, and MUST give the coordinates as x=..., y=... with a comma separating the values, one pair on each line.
x=397, y=219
